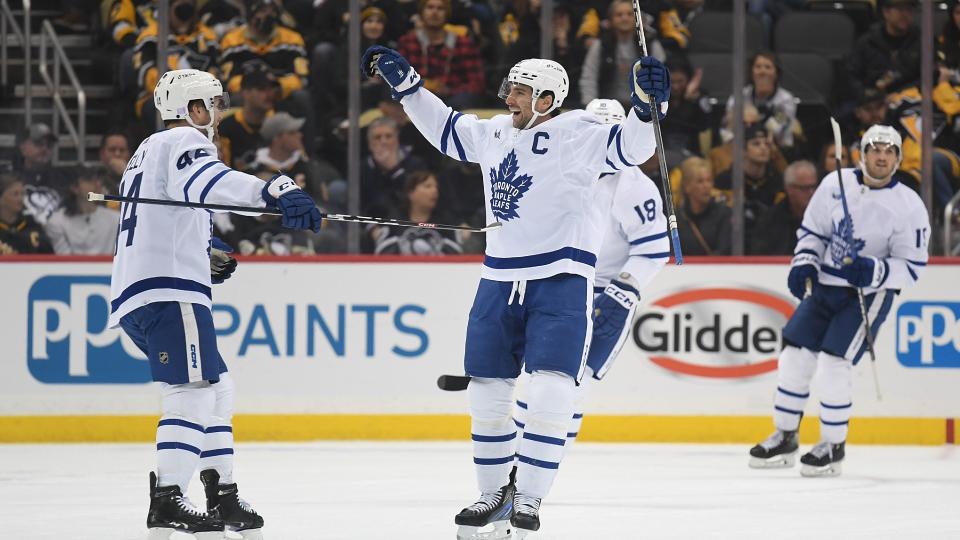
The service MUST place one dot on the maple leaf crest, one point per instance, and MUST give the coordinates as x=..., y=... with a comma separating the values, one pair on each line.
x=506, y=188
x=844, y=244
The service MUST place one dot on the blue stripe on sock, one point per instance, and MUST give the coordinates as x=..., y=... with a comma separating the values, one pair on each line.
x=793, y=394
x=180, y=423
x=521, y=404
x=220, y=429
x=493, y=461
x=577, y=416
x=217, y=452
x=786, y=410
x=845, y=422
x=825, y=406
x=493, y=438
x=544, y=439
x=178, y=446
x=572, y=435
x=519, y=424
x=537, y=462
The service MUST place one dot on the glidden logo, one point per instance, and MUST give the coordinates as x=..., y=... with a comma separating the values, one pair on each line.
x=717, y=332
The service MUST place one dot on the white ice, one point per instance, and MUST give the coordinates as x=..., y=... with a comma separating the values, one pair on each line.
x=411, y=491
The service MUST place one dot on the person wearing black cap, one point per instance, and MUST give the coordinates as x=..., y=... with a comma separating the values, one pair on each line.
x=888, y=56
x=240, y=131
x=44, y=185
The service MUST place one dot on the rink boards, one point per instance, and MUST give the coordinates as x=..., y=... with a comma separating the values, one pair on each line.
x=350, y=348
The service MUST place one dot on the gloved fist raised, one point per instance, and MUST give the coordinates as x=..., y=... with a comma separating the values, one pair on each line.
x=222, y=265
x=394, y=68
x=298, y=209
x=649, y=79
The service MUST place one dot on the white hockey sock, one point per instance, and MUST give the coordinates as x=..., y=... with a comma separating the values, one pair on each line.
x=492, y=430
x=218, y=437
x=180, y=432
x=794, y=371
x=549, y=411
x=835, y=387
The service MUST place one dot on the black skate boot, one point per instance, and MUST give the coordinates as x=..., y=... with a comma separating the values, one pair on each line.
x=526, y=515
x=223, y=502
x=170, y=511
x=779, y=451
x=824, y=459
x=492, y=509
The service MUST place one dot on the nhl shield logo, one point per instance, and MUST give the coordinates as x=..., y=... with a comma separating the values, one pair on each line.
x=507, y=188
x=164, y=358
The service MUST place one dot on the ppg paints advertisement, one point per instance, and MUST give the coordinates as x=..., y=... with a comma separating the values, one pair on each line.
x=358, y=336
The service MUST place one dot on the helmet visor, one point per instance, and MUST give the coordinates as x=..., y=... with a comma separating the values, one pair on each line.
x=221, y=102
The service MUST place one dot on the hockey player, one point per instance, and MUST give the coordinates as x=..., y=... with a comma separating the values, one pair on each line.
x=635, y=247
x=160, y=296
x=533, y=304
x=886, y=238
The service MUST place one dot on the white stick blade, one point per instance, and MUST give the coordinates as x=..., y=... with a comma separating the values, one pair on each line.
x=837, y=150
x=94, y=197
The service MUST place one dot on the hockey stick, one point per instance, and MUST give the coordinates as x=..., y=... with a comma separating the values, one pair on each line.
x=453, y=383
x=849, y=259
x=661, y=157
x=99, y=197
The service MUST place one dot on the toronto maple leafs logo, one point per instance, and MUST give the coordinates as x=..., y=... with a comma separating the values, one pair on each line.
x=844, y=244
x=507, y=188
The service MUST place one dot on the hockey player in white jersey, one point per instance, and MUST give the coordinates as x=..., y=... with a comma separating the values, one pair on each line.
x=886, y=237
x=533, y=305
x=163, y=269
x=635, y=247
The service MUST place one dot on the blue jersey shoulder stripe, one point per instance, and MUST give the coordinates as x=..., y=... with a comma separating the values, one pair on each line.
x=540, y=259
x=160, y=282
x=186, y=187
x=456, y=137
x=210, y=184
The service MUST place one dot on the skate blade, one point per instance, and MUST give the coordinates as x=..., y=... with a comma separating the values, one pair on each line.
x=247, y=534
x=209, y=535
x=811, y=471
x=160, y=533
x=783, y=461
x=498, y=530
x=520, y=534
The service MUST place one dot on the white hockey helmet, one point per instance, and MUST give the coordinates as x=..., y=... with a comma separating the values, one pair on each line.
x=177, y=88
x=541, y=76
x=608, y=111
x=880, y=134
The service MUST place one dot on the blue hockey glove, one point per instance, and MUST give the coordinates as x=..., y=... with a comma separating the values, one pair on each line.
x=650, y=78
x=804, y=268
x=394, y=68
x=222, y=264
x=612, y=312
x=865, y=272
x=299, y=210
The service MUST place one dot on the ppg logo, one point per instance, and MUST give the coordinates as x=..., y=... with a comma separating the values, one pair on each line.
x=928, y=334
x=67, y=336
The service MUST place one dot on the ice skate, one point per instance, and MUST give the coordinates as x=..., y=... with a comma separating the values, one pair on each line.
x=236, y=513
x=170, y=511
x=824, y=459
x=526, y=515
x=779, y=451
x=488, y=518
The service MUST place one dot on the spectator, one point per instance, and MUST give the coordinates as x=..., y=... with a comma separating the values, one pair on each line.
x=721, y=157
x=776, y=230
x=762, y=184
x=704, y=223
x=114, y=155
x=331, y=18
x=449, y=64
x=126, y=18
x=608, y=60
x=262, y=43
x=19, y=232
x=828, y=159
x=948, y=42
x=776, y=106
x=421, y=202
x=190, y=44
x=82, y=227
x=681, y=135
x=871, y=109
x=44, y=184
x=240, y=131
x=284, y=152
x=887, y=57
x=384, y=171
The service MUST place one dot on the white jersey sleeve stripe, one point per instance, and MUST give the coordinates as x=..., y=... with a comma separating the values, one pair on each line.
x=186, y=187
x=456, y=137
x=212, y=182
x=620, y=149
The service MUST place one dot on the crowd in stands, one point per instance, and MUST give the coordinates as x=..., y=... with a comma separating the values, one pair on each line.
x=285, y=65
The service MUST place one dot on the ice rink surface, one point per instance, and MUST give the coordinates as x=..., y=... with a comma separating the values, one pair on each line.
x=411, y=491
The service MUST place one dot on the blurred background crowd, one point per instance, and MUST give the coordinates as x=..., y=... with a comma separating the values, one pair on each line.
x=285, y=64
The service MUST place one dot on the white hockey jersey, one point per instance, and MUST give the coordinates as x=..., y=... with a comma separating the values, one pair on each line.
x=538, y=182
x=162, y=251
x=889, y=223
x=636, y=239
